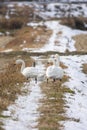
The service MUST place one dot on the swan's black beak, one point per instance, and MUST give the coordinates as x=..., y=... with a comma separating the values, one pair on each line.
x=49, y=63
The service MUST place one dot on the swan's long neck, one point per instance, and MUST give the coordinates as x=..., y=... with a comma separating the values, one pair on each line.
x=56, y=61
x=23, y=66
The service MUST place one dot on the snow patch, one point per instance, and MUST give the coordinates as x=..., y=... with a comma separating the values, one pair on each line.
x=60, y=40
x=77, y=103
x=23, y=114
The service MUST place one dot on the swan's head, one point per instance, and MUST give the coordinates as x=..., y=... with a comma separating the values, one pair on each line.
x=51, y=59
x=56, y=56
x=54, y=59
x=19, y=61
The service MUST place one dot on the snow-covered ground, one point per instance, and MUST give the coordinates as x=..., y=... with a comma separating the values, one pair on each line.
x=58, y=10
x=60, y=40
x=77, y=103
x=51, y=10
x=23, y=113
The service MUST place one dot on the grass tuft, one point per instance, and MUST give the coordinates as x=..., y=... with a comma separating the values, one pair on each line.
x=11, y=80
x=84, y=68
x=10, y=83
x=53, y=105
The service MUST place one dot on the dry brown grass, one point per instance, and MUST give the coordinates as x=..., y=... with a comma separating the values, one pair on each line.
x=63, y=66
x=52, y=110
x=23, y=13
x=11, y=81
x=68, y=22
x=11, y=24
x=5, y=40
x=35, y=38
x=3, y=10
x=75, y=22
x=84, y=68
x=19, y=17
x=10, y=85
x=81, y=42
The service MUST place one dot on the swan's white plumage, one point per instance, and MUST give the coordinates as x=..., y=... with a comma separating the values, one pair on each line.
x=57, y=57
x=54, y=71
x=28, y=72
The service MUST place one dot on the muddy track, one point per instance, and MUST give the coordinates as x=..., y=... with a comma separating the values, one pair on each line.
x=15, y=53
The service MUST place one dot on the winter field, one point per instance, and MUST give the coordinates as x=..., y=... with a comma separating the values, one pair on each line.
x=59, y=105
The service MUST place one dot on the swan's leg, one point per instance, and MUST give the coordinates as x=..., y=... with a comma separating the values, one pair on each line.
x=54, y=80
x=60, y=80
x=47, y=80
x=27, y=78
x=35, y=79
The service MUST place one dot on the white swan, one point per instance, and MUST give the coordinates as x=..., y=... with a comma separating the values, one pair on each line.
x=54, y=71
x=54, y=59
x=57, y=58
x=28, y=72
